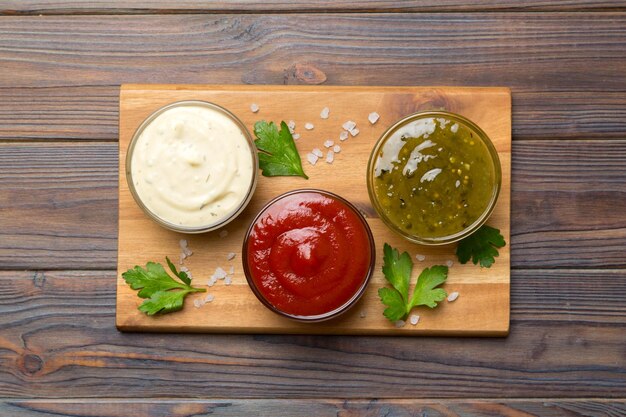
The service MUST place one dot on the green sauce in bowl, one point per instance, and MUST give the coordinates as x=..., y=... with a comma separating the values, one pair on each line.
x=434, y=177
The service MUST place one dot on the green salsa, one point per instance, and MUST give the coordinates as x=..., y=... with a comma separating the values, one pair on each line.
x=433, y=177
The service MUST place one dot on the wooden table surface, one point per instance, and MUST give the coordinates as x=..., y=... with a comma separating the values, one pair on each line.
x=61, y=64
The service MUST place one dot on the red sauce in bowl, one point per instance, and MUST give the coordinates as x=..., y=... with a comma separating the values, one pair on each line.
x=308, y=255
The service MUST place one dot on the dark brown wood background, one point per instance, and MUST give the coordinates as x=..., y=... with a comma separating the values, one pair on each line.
x=61, y=63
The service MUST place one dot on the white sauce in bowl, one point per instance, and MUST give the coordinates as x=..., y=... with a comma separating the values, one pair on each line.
x=193, y=167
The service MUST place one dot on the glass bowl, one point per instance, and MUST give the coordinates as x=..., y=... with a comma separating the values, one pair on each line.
x=289, y=203
x=434, y=177
x=171, y=223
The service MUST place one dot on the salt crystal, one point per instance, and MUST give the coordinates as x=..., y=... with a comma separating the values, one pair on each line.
x=325, y=112
x=292, y=131
x=183, y=243
x=399, y=323
x=231, y=256
x=354, y=131
x=420, y=257
x=328, y=143
x=231, y=270
x=363, y=314
x=330, y=157
x=184, y=269
x=212, y=281
x=254, y=107
x=312, y=158
x=414, y=319
x=228, y=280
x=182, y=258
x=209, y=298
x=291, y=124
x=454, y=128
x=197, y=303
x=296, y=136
x=373, y=117
x=449, y=263
x=336, y=148
x=219, y=273
x=317, y=152
x=223, y=233
x=453, y=296
x=349, y=125
x=343, y=135
x=309, y=126
x=457, y=183
x=184, y=248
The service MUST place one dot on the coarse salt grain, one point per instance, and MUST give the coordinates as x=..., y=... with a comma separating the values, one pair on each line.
x=457, y=183
x=254, y=107
x=312, y=158
x=228, y=280
x=219, y=273
x=414, y=319
x=336, y=148
x=453, y=296
x=223, y=233
x=454, y=128
x=363, y=314
x=209, y=298
x=343, y=135
x=231, y=270
x=420, y=257
x=349, y=125
x=328, y=143
x=399, y=323
x=296, y=136
x=291, y=124
x=330, y=157
x=231, y=256
x=449, y=263
x=324, y=113
x=212, y=281
x=354, y=131
x=309, y=126
x=198, y=303
x=373, y=117
x=317, y=152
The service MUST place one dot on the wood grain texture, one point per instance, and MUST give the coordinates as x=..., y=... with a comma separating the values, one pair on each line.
x=13, y=7
x=567, y=205
x=91, y=113
x=320, y=408
x=58, y=336
x=558, y=52
x=141, y=240
x=58, y=203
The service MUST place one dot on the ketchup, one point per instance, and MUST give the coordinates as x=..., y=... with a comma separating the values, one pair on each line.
x=309, y=253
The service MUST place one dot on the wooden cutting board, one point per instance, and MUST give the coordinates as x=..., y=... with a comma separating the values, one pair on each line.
x=483, y=305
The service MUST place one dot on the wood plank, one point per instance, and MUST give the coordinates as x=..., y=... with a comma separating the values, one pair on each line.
x=22, y=7
x=141, y=240
x=91, y=113
x=563, y=215
x=58, y=205
x=536, y=51
x=320, y=408
x=58, y=336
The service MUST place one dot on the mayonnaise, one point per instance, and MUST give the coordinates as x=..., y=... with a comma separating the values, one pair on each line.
x=193, y=166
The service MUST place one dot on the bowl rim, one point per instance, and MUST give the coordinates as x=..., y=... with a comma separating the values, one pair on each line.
x=443, y=240
x=352, y=300
x=167, y=224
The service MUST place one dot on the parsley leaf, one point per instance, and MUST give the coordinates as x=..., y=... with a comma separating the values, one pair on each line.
x=278, y=154
x=164, y=294
x=397, y=269
x=481, y=246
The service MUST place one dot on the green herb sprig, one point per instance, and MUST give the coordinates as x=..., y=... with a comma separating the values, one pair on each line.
x=278, y=155
x=163, y=293
x=481, y=247
x=397, y=269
